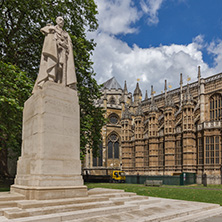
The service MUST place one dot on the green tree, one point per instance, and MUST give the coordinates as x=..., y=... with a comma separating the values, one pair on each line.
x=21, y=42
x=15, y=88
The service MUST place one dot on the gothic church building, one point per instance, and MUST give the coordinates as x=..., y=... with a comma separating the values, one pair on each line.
x=177, y=131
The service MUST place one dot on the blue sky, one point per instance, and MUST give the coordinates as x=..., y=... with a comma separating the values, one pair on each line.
x=154, y=40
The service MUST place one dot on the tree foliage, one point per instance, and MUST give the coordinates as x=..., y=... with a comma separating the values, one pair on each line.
x=21, y=42
x=15, y=88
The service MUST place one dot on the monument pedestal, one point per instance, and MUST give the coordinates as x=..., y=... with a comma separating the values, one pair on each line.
x=50, y=167
x=47, y=193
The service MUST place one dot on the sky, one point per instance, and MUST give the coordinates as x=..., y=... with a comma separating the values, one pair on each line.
x=154, y=40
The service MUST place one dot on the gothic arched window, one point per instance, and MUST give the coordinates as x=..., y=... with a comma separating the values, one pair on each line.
x=216, y=107
x=113, y=146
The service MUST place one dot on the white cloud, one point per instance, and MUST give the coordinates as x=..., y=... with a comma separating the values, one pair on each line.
x=151, y=7
x=199, y=40
x=117, y=16
x=215, y=48
x=113, y=57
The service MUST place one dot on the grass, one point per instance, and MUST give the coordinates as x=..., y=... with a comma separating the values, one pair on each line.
x=204, y=194
x=4, y=189
x=5, y=185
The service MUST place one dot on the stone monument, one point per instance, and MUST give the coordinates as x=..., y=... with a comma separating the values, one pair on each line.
x=49, y=166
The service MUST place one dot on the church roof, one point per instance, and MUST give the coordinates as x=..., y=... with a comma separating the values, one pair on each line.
x=111, y=84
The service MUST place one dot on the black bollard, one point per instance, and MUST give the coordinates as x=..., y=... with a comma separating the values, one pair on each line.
x=204, y=179
x=138, y=178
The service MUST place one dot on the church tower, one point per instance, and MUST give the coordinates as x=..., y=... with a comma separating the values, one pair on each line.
x=127, y=146
x=139, y=142
x=153, y=137
x=169, y=134
x=189, y=142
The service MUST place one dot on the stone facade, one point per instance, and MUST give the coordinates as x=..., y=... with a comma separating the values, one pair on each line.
x=167, y=134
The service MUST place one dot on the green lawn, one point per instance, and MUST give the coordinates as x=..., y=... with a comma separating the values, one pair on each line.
x=3, y=189
x=199, y=193
x=5, y=185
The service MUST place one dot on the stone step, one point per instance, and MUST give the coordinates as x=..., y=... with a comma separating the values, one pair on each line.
x=158, y=212
x=123, y=216
x=25, y=204
x=3, y=219
x=18, y=212
x=46, y=203
x=198, y=216
x=2, y=210
x=130, y=198
x=113, y=195
x=104, y=191
x=7, y=196
x=155, y=211
x=10, y=203
x=141, y=203
x=180, y=215
x=107, y=206
x=136, y=200
x=68, y=216
x=131, y=217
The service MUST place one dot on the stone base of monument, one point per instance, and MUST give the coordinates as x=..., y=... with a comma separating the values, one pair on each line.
x=48, y=193
x=50, y=166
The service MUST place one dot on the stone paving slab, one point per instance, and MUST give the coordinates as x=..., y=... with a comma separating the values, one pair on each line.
x=211, y=215
x=217, y=218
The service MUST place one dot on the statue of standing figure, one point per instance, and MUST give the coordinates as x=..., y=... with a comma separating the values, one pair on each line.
x=57, y=61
